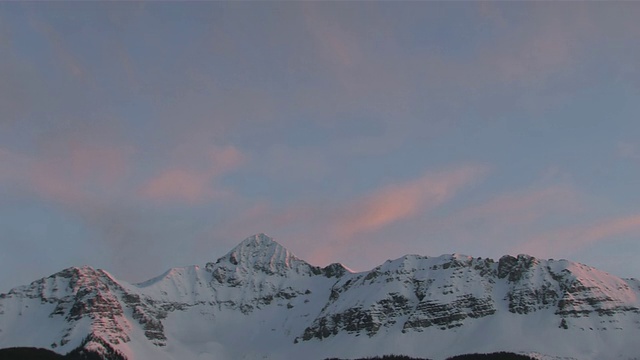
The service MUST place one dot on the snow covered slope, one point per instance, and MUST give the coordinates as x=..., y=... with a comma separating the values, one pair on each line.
x=260, y=301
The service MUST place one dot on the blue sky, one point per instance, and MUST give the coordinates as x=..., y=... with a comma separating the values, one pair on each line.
x=136, y=137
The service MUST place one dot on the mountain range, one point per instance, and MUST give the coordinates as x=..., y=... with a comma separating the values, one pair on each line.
x=260, y=301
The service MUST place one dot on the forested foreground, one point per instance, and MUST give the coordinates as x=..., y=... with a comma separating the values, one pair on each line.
x=493, y=356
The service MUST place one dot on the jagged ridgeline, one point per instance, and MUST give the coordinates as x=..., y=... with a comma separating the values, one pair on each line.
x=261, y=301
x=493, y=356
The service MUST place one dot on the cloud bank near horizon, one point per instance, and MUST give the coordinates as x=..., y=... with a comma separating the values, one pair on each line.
x=138, y=137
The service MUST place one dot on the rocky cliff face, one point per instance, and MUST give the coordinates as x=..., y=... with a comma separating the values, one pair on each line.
x=261, y=291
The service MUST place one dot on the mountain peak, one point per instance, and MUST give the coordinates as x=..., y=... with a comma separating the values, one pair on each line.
x=261, y=252
x=261, y=291
x=260, y=240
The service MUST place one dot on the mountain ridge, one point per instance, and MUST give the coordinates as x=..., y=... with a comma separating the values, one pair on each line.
x=261, y=290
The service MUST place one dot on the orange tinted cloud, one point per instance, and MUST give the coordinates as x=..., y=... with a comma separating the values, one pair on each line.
x=401, y=201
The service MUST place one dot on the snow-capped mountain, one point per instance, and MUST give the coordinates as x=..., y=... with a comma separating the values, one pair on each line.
x=260, y=301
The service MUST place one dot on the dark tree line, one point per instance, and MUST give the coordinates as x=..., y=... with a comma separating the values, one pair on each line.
x=26, y=353
x=386, y=357
x=493, y=356
x=29, y=353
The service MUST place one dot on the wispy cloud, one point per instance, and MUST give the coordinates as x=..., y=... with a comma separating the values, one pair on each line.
x=76, y=172
x=504, y=220
x=179, y=185
x=572, y=239
x=540, y=55
x=335, y=43
x=405, y=200
x=60, y=48
x=519, y=208
x=628, y=150
x=80, y=173
x=13, y=166
x=544, y=42
x=188, y=185
x=326, y=231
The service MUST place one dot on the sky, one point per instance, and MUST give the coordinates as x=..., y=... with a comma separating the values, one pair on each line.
x=136, y=137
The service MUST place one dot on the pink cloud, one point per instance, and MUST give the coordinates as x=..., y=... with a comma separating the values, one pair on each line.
x=541, y=54
x=578, y=237
x=60, y=48
x=79, y=173
x=330, y=231
x=225, y=159
x=336, y=44
x=628, y=150
x=88, y=178
x=82, y=172
x=184, y=184
x=179, y=185
x=544, y=43
x=503, y=220
x=519, y=208
x=13, y=166
x=102, y=165
x=491, y=12
x=401, y=201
